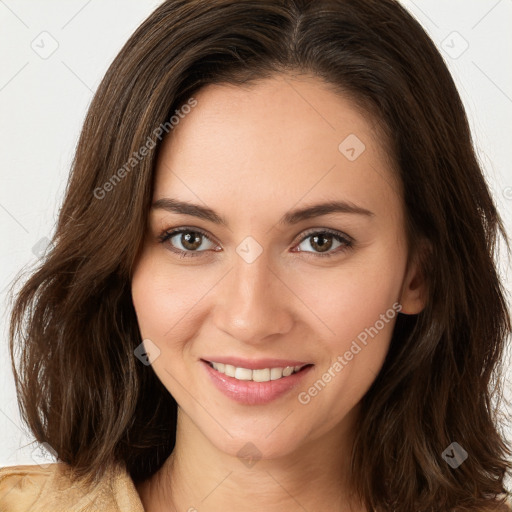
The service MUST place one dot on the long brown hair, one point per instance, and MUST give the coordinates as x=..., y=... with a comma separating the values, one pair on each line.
x=73, y=325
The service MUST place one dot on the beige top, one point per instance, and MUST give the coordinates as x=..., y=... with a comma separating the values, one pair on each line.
x=34, y=488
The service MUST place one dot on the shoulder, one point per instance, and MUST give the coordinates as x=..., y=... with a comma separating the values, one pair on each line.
x=507, y=507
x=37, y=488
x=504, y=507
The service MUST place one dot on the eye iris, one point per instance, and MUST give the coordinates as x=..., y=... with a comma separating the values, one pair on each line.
x=190, y=240
x=322, y=247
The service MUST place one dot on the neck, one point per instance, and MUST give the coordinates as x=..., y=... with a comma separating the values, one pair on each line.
x=199, y=477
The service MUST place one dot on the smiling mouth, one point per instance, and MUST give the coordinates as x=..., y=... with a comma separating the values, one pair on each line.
x=256, y=375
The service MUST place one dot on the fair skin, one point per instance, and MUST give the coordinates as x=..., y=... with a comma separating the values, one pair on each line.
x=253, y=154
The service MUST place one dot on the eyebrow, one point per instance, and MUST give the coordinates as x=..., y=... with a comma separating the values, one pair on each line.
x=291, y=217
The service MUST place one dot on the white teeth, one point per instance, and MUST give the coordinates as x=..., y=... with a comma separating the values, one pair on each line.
x=260, y=375
x=229, y=370
x=288, y=371
x=276, y=373
x=243, y=374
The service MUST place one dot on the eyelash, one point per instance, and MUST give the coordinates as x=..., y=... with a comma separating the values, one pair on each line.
x=347, y=242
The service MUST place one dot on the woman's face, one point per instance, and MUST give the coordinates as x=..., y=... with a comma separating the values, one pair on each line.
x=262, y=285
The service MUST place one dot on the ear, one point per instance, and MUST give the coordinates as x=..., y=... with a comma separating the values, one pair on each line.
x=413, y=296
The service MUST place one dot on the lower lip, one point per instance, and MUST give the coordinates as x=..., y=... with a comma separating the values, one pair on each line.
x=249, y=392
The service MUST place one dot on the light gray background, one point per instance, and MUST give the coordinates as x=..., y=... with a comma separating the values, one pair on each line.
x=53, y=56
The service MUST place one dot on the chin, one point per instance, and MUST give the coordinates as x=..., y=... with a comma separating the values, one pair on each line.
x=251, y=445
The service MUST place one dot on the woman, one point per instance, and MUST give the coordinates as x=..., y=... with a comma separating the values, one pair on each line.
x=272, y=283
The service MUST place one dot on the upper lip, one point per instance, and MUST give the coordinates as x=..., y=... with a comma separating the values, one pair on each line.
x=255, y=364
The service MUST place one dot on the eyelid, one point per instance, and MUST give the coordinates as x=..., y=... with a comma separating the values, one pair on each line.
x=330, y=231
x=175, y=231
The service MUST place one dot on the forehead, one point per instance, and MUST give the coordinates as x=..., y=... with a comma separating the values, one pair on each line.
x=281, y=140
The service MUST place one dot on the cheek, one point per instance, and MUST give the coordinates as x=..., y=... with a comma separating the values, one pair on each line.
x=362, y=319
x=352, y=296
x=358, y=302
x=162, y=300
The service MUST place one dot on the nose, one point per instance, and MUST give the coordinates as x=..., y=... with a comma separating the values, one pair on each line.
x=253, y=302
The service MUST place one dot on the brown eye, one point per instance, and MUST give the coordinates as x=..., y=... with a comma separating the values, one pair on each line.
x=186, y=241
x=190, y=240
x=323, y=241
